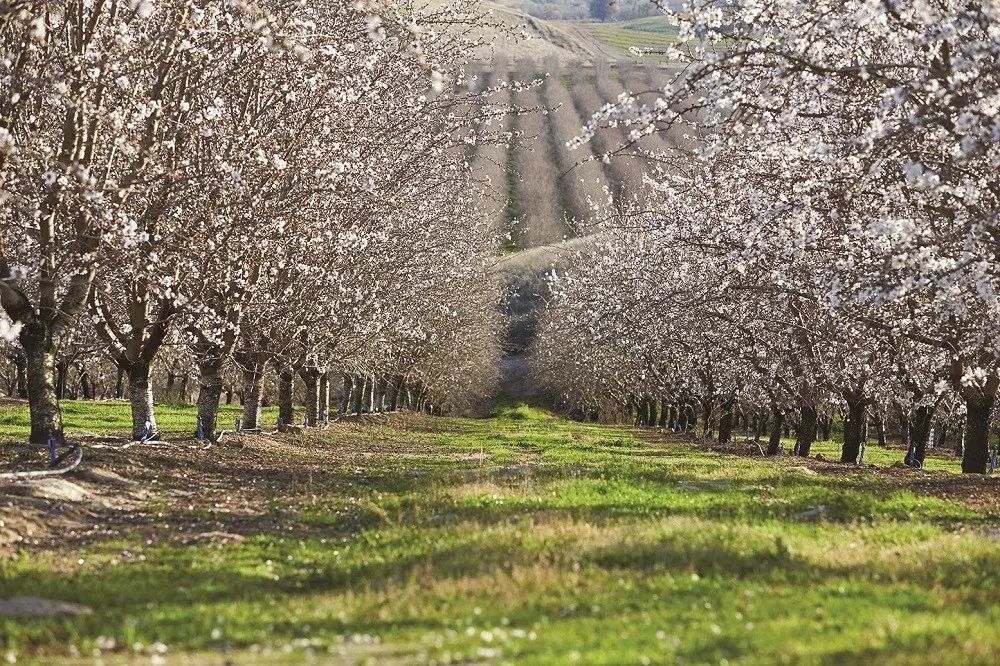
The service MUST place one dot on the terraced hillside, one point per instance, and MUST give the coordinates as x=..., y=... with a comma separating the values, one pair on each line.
x=543, y=196
x=543, y=191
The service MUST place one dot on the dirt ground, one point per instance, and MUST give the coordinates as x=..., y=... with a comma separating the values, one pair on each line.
x=220, y=492
x=185, y=493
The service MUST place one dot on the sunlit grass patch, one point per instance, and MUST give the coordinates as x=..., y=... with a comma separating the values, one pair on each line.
x=113, y=417
x=532, y=539
x=653, y=33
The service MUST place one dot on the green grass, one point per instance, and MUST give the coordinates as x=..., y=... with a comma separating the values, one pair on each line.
x=884, y=456
x=659, y=24
x=654, y=33
x=107, y=417
x=526, y=538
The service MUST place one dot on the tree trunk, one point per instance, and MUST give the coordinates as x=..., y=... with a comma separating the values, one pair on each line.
x=826, y=422
x=977, y=434
x=397, y=387
x=20, y=369
x=345, y=402
x=86, y=388
x=777, y=421
x=324, y=397
x=853, y=431
x=40, y=366
x=942, y=436
x=359, y=394
x=229, y=395
x=210, y=387
x=61, y=373
x=140, y=397
x=286, y=409
x=880, y=428
x=904, y=426
x=120, y=383
x=726, y=421
x=252, y=382
x=310, y=376
x=370, y=394
x=920, y=430
x=381, y=389
x=760, y=425
x=805, y=434
x=170, y=388
x=708, y=415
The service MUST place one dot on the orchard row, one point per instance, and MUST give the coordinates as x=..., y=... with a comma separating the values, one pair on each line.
x=825, y=238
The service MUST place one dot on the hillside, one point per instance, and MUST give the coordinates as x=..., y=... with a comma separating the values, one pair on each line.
x=571, y=40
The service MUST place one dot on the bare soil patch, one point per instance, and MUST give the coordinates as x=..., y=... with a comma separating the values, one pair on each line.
x=183, y=492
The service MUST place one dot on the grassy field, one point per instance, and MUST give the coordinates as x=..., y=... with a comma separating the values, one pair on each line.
x=654, y=33
x=110, y=417
x=522, y=538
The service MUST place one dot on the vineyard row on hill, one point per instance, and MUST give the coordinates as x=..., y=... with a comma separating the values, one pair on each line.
x=542, y=191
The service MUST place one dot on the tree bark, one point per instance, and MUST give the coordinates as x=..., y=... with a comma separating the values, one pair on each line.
x=286, y=409
x=345, y=402
x=977, y=434
x=370, y=394
x=253, y=377
x=359, y=394
x=120, y=383
x=171, y=383
x=920, y=430
x=86, y=388
x=880, y=428
x=777, y=421
x=61, y=373
x=853, y=431
x=324, y=397
x=381, y=389
x=904, y=425
x=20, y=370
x=760, y=425
x=805, y=434
x=140, y=397
x=726, y=421
x=40, y=364
x=707, y=427
x=210, y=387
x=397, y=387
x=310, y=376
x=825, y=423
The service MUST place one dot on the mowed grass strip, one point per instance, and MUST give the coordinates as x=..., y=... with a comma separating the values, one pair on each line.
x=526, y=538
x=655, y=35
x=113, y=417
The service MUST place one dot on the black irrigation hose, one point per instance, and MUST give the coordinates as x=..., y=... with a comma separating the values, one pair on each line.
x=75, y=450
